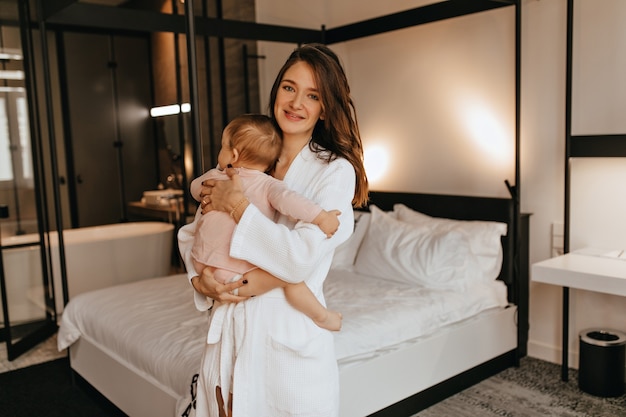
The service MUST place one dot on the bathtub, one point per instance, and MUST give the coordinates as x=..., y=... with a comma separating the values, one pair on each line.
x=96, y=257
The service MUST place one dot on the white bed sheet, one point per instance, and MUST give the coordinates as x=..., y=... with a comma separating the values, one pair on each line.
x=153, y=327
x=378, y=314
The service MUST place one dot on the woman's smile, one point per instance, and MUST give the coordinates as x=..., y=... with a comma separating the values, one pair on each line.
x=298, y=106
x=293, y=116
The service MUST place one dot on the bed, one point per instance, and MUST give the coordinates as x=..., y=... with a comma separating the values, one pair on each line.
x=408, y=339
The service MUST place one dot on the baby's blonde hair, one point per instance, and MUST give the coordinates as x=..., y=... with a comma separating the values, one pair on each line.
x=256, y=139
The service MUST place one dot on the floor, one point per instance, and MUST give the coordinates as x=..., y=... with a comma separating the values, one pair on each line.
x=531, y=390
x=43, y=352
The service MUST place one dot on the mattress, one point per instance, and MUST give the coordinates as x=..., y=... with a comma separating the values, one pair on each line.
x=153, y=328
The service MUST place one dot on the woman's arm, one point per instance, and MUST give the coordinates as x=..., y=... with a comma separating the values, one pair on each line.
x=289, y=254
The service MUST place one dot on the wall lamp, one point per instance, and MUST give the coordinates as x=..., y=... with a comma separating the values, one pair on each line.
x=170, y=110
x=376, y=161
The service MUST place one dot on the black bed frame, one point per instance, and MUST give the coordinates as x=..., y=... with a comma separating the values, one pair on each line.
x=514, y=274
x=72, y=13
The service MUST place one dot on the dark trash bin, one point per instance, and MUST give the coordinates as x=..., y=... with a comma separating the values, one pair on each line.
x=601, y=362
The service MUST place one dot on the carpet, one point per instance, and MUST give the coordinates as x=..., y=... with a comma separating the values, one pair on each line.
x=43, y=352
x=533, y=389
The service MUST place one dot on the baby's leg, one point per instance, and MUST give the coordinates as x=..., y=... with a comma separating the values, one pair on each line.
x=259, y=282
x=298, y=295
x=303, y=300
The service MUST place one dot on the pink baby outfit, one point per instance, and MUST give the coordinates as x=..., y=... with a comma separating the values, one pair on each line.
x=211, y=245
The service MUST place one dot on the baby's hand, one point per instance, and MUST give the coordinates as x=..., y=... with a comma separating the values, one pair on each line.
x=328, y=221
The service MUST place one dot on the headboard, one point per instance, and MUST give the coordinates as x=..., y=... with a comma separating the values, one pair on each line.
x=461, y=208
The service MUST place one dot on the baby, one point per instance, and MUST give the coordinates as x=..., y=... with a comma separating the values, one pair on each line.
x=251, y=144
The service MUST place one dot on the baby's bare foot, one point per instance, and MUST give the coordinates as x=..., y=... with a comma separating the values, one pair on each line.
x=331, y=322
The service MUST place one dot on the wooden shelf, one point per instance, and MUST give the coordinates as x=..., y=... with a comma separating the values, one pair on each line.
x=169, y=213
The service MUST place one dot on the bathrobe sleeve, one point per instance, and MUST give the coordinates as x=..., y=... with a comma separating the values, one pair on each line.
x=288, y=202
x=186, y=235
x=185, y=242
x=293, y=254
x=187, y=232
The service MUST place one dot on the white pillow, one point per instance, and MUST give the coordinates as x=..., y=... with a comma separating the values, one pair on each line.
x=345, y=254
x=484, y=236
x=401, y=252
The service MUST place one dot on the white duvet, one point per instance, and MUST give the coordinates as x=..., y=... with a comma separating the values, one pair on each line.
x=153, y=328
x=378, y=313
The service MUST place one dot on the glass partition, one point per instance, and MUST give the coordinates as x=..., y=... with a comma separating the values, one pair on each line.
x=26, y=294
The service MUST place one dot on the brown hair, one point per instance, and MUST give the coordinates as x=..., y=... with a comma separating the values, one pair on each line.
x=338, y=134
x=256, y=139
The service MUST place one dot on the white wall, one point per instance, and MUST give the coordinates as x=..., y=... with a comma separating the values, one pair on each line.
x=598, y=185
x=408, y=85
x=599, y=107
x=598, y=199
x=440, y=99
x=599, y=96
x=542, y=150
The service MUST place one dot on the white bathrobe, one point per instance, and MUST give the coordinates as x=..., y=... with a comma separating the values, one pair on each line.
x=284, y=365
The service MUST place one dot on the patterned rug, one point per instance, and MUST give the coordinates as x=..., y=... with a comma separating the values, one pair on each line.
x=533, y=389
x=43, y=352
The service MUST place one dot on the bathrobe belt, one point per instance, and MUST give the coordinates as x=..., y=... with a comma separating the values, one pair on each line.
x=223, y=327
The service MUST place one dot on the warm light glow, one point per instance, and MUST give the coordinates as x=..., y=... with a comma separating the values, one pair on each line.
x=488, y=132
x=376, y=160
x=170, y=110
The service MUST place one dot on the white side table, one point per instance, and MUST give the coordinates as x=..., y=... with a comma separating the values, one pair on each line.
x=587, y=269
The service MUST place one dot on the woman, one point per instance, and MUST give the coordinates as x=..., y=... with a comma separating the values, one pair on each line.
x=284, y=364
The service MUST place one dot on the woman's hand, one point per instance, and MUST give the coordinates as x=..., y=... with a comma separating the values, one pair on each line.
x=222, y=195
x=207, y=285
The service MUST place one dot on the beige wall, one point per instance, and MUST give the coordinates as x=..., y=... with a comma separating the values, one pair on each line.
x=420, y=108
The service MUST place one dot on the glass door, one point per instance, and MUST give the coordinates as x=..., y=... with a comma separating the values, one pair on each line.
x=27, y=299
